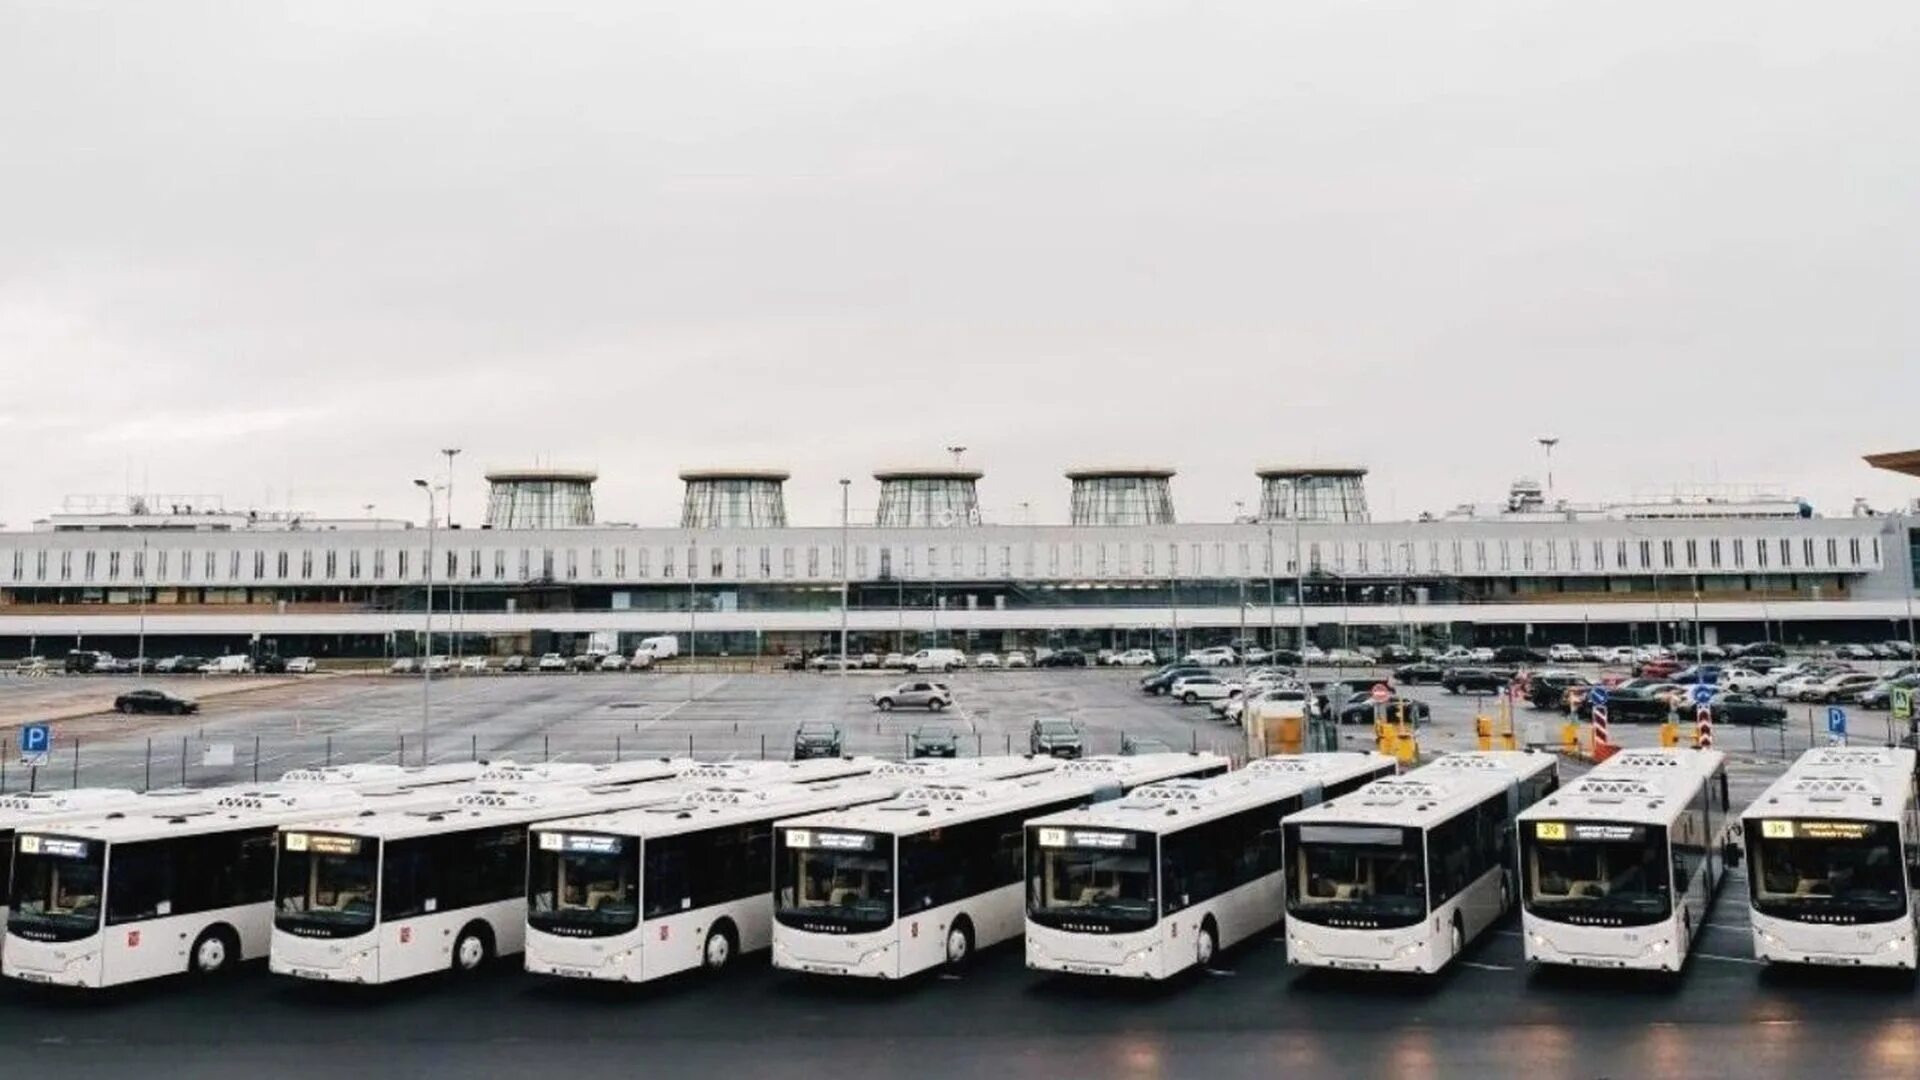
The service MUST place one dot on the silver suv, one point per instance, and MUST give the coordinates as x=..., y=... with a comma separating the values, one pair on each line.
x=931, y=696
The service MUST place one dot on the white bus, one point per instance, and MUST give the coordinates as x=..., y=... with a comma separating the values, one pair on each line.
x=925, y=879
x=1403, y=873
x=1833, y=860
x=139, y=893
x=45, y=809
x=1619, y=868
x=644, y=893
x=384, y=776
x=1152, y=884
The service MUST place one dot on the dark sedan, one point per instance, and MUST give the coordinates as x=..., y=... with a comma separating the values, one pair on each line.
x=1549, y=689
x=1359, y=709
x=1463, y=680
x=816, y=739
x=1064, y=658
x=1518, y=654
x=1161, y=681
x=1730, y=708
x=1422, y=672
x=154, y=701
x=937, y=740
x=1649, y=703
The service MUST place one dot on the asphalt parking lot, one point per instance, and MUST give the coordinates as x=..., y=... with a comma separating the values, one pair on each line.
x=596, y=717
x=1250, y=1015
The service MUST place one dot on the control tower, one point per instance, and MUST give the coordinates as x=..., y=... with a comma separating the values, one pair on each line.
x=1331, y=493
x=1122, y=495
x=936, y=497
x=540, y=498
x=734, y=499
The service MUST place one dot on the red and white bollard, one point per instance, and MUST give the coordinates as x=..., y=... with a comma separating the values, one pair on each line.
x=1703, y=727
x=1600, y=726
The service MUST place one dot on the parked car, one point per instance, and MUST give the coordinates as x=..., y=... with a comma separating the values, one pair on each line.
x=1565, y=654
x=404, y=665
x=1549, y=689
x=1203, y=688
x=1213, y=656
x=893, y=661
x=1699, y=653
x=1055, y=736
x=832, y=661
x=1424, y=671
x=230, y=664
x=1595, y=654
x=154, y=701
x=1162, y=680
x=931, y=696
x=869, y=660
x=1622, y=655
x=1018, y=659
x=613, y=661
x=1658, y=667
x=1348, y=658
x=1764, y=648
x=586, y=661
x=934, y=740
x=1880, y=694
x=516, y=662
x=1518, y=654
x=1480, y=655
x=1463, y=680
x=1698, y=673
x=1129, y=746
x=269, y=664
x=936, y=660
x=1902, y=650
x=1135, y=658
x=553, y=661
x=1730, y=707
x=986, y=660
x=302, y=665
x=1835, y=688
x=1854, y=652
x=179, y=665
x=1648, y=702
x=1358, y=708
x=816, y=739
x=439, y=663
x=1064, y=658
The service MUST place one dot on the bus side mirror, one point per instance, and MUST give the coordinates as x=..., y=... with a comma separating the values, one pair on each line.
x=1730, y=856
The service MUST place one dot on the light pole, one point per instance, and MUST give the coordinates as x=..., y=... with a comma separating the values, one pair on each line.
x=1299, y=568
x=1271, y=642
x=140, y=660
x=452, y=579
x=426, y=655
x=846, y=571
x=1549, y=442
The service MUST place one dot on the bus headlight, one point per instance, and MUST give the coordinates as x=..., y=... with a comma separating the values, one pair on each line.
x=1658, y=947
x=1896, y=944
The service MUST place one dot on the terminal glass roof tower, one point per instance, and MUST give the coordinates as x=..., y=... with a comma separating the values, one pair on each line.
x=1333, y=493
x=734, y=499
x=927, y=498
x=540, y=498
x=1129, y=495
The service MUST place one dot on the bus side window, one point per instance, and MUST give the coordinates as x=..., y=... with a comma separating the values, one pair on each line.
x=1726, y=799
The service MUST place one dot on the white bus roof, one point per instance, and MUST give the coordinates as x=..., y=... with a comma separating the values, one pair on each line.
x=705, y=808
x=774, y=772
x=1326, y=767
x=1170, y=805
x=981, y=768
x=584, y=774
x=24, y=809
x=948, y=802
x=1640, y=787
x=384, y=774
x=236, y=808
x=1431, y=793
x=1841, y=782
x=479, y=807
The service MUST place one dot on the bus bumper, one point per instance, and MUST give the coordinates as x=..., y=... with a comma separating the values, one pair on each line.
x=78, y=963
x=871, y=956
x=1121, y=956
x=567, y=958
x=348, y=960
x=1885, y=946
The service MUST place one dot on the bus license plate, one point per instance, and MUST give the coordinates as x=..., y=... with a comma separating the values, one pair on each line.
x=572, y=973
x=825, y=969
x=307, y=973
x=32, y=976
x=1083, y=969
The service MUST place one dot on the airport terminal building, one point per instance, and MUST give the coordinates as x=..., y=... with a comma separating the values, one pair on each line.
x=1123, y=572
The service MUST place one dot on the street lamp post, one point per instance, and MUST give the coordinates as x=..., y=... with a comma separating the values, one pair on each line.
x=1271, y=642
x=846, y=572
x=140, y=660
x=1299, y=571
x=426, y=654
x=455, y=594
x=1548, y=442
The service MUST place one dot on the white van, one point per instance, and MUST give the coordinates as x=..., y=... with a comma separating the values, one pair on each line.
x=237, y=664
x=657, y=648
x=937, y=660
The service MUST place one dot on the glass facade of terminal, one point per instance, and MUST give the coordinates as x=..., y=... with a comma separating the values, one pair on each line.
x=733, y=503
x=1122, y=500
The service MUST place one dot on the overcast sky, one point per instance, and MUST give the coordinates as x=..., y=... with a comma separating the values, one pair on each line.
x=284, y=252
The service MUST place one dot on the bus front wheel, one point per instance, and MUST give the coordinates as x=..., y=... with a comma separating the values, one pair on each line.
x=214, y=952
x=959, y=943
x=1206, y=944
x=720, y=947
x=472, y=948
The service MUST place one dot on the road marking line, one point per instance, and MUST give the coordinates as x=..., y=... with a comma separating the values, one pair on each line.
x=1476, y=965
x=1730, y=959
x=1727, y=926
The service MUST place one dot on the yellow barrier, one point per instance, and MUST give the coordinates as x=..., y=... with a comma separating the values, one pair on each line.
x=1669, y=735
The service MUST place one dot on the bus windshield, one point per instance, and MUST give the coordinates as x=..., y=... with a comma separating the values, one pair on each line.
x=1847, y=871
x=833, y=882
x=583, y=884
x=56, y=888
x=324, y=886
x=1096, y=881
x=1596, y=873
x=1360, y=876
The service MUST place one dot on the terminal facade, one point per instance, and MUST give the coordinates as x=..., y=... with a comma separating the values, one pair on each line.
x=192, y=580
